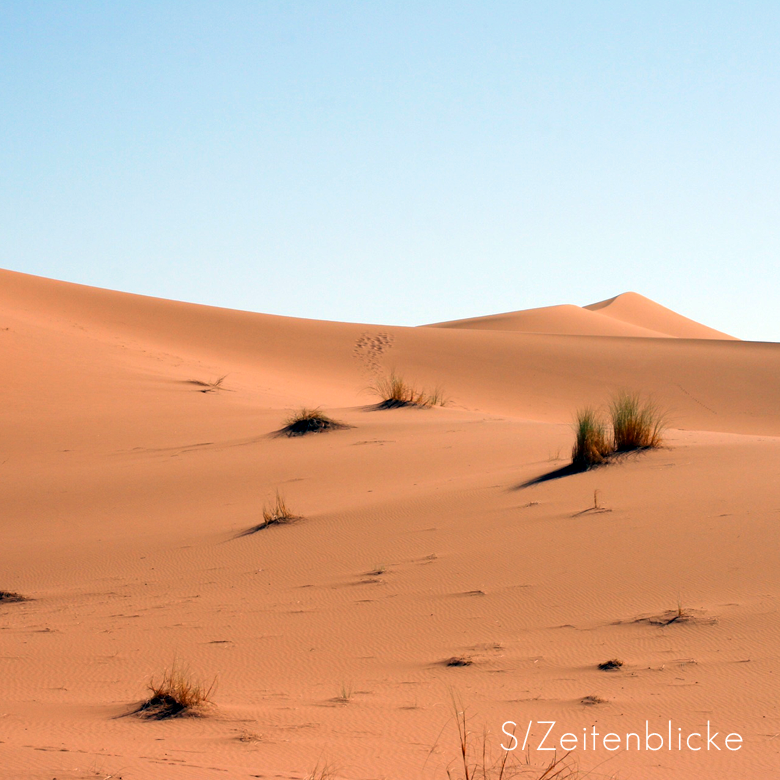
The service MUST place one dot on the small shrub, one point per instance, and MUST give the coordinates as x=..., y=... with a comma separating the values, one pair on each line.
x=176, y=695
x=395, y=392
x=591, y=445
x=310, y=421
x=636, y=423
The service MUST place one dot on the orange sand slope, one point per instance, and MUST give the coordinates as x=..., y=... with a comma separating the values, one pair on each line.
x=629, y=314
x=126, y=491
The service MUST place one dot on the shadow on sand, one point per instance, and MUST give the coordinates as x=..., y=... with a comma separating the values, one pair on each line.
x=560, y=473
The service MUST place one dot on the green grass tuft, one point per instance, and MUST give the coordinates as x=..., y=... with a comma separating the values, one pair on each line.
x=636, y=423
x=591, y=445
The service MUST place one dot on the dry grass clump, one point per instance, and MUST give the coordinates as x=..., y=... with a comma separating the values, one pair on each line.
x=476, y=758
x=459, y=660
x=592, y=700
x=345, y=694
x=637, y=423
x=592, y=445
x=679, y=615
x=310, y=421
x=395, y=392
x=206, y=386
x=322, y=772
x=10, y=597
x=277, y=513
x=176, y=695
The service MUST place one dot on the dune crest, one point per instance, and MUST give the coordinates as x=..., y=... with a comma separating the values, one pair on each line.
x=634, y=309
x=627, y=315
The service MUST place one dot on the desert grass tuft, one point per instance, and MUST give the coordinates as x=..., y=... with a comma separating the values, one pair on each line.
x=322, y=772
x=246, y=736
x=476, y=758
x=175, y=695
x=208, y=387
x=310, y=421
x=345, y=694
x=637, y=423
x=591, y=445
x=592, y=700
x=278, y=513
x=394, y=392
x=10, y=597
x=679, y=615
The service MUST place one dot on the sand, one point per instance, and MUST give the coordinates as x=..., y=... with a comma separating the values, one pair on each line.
x=126, y=491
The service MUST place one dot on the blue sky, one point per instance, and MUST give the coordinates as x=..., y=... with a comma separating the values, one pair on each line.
x=398, y=162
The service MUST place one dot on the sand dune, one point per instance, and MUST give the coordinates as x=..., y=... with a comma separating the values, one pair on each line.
x=635, y=309
x=125, y=489
x=628, y=314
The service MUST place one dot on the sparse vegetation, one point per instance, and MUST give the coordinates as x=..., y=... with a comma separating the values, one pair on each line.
x=244, y=735
x=208, y=387
x=590, y=701
x=679, y=615
x=277, y=513
x=612, y=665
x=9, y=597
x=636, y=423
x=322, y=772
x=176, y=695
x=345, y=693
x=394, y=392
x=591, y=446
x=476, y=758
x=310, y=421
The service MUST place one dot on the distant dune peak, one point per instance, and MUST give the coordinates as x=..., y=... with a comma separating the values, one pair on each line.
x=627, y=314
x=636, y=309
x=608, y=301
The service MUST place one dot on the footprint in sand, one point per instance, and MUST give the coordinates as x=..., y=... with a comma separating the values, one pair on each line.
x=370, y=348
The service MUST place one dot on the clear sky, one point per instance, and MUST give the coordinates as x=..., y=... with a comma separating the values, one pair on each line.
x=398, y=162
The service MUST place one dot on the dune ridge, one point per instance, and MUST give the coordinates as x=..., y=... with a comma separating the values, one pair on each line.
x=628, y=314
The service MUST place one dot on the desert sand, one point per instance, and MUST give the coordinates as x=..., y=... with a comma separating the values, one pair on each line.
x=126, y=491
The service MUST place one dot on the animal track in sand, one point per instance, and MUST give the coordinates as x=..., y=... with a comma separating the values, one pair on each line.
x=370, y=349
